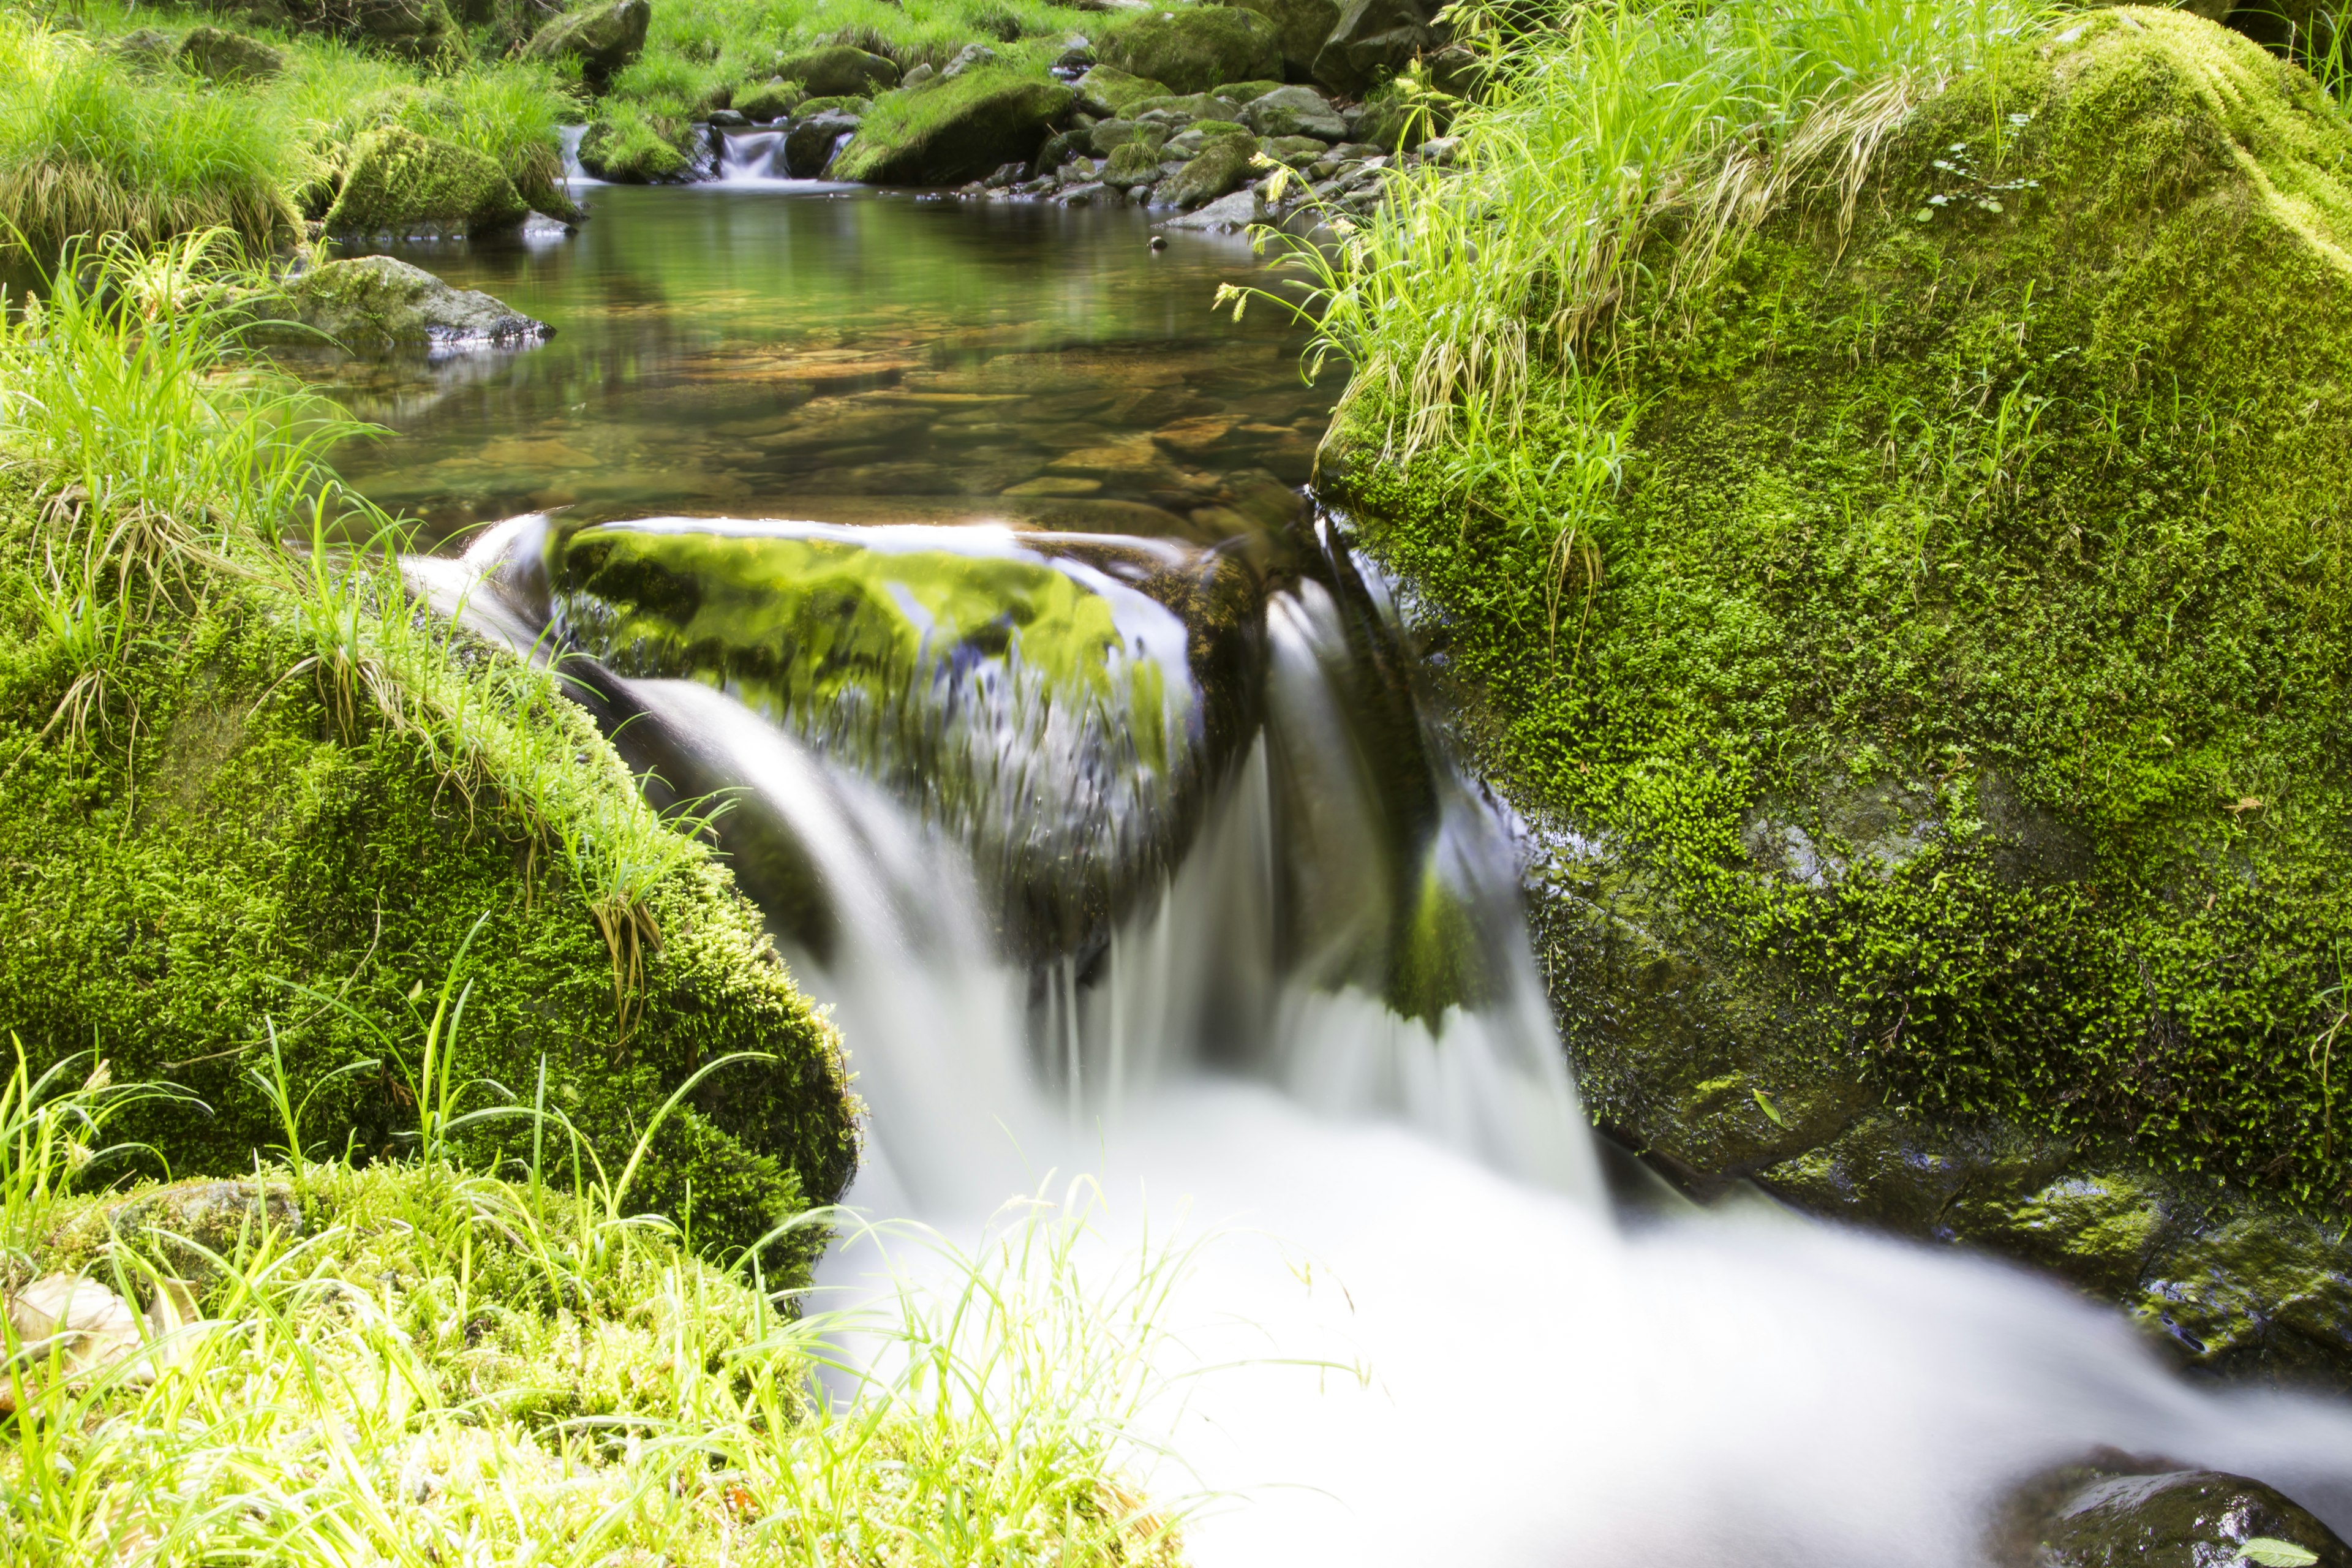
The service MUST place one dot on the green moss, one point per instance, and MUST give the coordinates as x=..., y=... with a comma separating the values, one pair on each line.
x=1959, y=700
x=226, y=836
x=957, y=130
x=395, y=180
x=1193, y=49
x=625, y=143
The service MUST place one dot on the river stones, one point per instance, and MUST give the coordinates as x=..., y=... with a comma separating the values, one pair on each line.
x=2124, y=1511
x=602, y=38
x=394, y=181
x=1193, y=50
x=1057, y=699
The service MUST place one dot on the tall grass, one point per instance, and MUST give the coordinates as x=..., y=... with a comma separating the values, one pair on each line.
x=1611, y=127
x=88, y=148
x=446, y=1366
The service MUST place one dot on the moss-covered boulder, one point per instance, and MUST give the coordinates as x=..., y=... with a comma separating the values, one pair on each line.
x=602, y=39
x=416, y=29
x=2114, y=1510
x=369, y=303
x=1301, y=26
x=1371, y=42
x=630, y=146
x=767, y=101
x=950, y=132
x=1194, y=49
x=840, y=71
x=252, y=853
x=394, y=181
x=218, y=55
x=1222, y=164
x=1950, y=717
x=1107, y=92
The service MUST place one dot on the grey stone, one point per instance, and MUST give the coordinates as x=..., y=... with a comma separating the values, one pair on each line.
x=374, y=302
x=972, y=56
x=1295, y=112
x=1228, y=215
x=808, y=146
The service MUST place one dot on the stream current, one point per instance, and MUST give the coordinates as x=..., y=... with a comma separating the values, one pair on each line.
x=1294, y=999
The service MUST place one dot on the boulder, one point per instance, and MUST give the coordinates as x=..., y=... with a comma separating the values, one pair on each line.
x=840, y=71
x=1301, y=27
x=1220, y=166
x=626, y=145
x=1371, y=41
x=224, y=57
x=2124, y=1511
x=955, y=130
x=396, y=182
x=1183, y=108
x=419, y=29
x=369, y=303
x=147, y=47
x=809, y=146
x=1952, y=927
x=1226, y=214
x=1108, y=91
x=602, y=39
x=770, y=101
x=1295, y=112
x=1193, y=50
x=1395, y=122
x=73, y=1323
x=1131, y=164
x=1109, y=135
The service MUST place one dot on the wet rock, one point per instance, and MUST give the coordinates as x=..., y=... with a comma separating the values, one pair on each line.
x=1193, y=50
x=1301, y=27
x=369, y=303
x=2253, y=1292
x=1227, y=214
x=397, y=182
x=808, y=146
x=1219, y=167
x=2124, y=1511
x=840, y=71
x=224, y=57
x=1110, y=92
x=727, y=120
x=602, y=39
x=965, y=128
x=1371, y=40
x=1295, y=112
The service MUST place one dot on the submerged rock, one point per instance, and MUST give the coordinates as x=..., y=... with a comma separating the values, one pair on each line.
x=373, y=302
x=1901, y=843
x=396, y=182
x=2123, y=1511
x=1195, y=49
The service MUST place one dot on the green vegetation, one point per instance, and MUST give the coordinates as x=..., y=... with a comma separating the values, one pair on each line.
x=256, y=798
x=414, y=1360
x=1865, y=456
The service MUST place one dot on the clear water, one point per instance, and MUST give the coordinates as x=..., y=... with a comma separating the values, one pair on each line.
x=1409, y=1199
x=849, y=358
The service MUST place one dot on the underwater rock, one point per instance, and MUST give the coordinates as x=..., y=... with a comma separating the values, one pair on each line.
x=1196, y=49
x=373, y=303
x=2125, y=1511
x=1891, y=843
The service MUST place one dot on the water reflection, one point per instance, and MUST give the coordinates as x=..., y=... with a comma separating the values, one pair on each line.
x=853, y=358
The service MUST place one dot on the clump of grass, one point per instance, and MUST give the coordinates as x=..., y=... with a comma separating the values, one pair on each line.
x=87, y=147
x=449, y=1365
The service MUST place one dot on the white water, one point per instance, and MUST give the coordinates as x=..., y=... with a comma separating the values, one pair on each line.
x=1538, y=1386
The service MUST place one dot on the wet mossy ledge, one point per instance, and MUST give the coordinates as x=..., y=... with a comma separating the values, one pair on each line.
x=265, y=819
x=1920, y=641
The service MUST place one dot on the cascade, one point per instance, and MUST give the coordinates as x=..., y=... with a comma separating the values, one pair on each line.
x=1320, y=1022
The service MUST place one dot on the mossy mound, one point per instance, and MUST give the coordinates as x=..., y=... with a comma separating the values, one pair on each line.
x=840, y=71
x=948, y=131
x=1195, y=49
x=397, y=182
x=236, y=850
x=1953, y=712
x=629, y=146
x=601, y=38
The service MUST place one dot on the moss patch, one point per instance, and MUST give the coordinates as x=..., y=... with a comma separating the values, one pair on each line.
x=952, y=130
x=1958, y=699
x=396, y=180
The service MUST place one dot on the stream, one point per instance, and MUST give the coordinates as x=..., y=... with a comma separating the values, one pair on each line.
x=1085, y=769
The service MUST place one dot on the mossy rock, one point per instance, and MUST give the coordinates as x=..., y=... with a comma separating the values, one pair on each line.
x=840, y=71
x=767, y=101
x=1108, y=91
x=602, y=39
x=1301, y=29
x=262, y=870
x=1899, y=755
x=1193, y=49
x=220, y=55
x=628, y=146
x=951, y=132
x=396, y=182
x=1372, y=41
x=1223, y=165
x=370, y=303
x=2112, y=1509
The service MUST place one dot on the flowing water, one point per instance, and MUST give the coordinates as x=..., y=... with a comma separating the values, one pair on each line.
x=1293, y=992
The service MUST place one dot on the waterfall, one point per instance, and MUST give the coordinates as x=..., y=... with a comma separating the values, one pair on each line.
x=1323, y=1028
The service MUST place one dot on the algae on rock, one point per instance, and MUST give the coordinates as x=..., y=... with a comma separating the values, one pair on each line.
x=395, y=181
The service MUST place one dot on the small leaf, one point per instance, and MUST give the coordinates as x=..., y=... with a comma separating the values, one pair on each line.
x=2271, y=1552
x=1764, y=1103
x=1924, y=215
